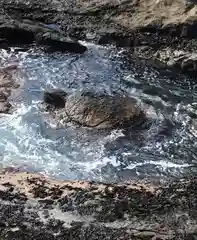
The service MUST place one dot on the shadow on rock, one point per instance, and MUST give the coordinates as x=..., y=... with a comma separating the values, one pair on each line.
x=27, y=32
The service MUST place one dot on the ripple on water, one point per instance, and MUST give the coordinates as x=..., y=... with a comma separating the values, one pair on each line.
x=166, y=149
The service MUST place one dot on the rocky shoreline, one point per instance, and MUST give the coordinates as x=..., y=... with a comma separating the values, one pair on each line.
x=37, y=207
x=161, y=30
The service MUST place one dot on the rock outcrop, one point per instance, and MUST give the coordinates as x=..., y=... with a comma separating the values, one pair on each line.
x=26, y=32
x=153, y=25
x=35, y=207
x=184, y=60
x=94, y=110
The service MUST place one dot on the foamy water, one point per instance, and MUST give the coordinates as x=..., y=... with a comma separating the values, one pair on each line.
x=28, y=141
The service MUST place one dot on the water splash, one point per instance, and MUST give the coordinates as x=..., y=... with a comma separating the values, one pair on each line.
x=75, y=153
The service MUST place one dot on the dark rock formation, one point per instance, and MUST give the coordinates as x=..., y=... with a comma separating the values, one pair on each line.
x=95, y=110
x=35, y=207
x=26, y=32
x=55, y=42
x=151, y=25
x=55, y=98
x=184, y=60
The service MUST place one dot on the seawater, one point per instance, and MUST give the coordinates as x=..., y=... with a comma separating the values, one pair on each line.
x=166, y=149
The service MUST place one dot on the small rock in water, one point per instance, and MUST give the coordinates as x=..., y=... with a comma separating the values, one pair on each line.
x=55, y=98
x=5, y=107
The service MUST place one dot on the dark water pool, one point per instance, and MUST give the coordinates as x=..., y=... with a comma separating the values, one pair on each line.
x=166, y=149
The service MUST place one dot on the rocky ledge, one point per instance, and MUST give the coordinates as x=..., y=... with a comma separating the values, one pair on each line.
x=14, y=32
x=163, y=30
x=36, y=207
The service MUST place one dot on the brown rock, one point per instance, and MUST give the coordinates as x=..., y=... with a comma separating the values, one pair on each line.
x=93, y=110
x=8, y=84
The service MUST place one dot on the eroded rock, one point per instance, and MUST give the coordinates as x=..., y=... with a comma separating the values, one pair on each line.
x=184, y=60
x=95, y=110
x=55, y=42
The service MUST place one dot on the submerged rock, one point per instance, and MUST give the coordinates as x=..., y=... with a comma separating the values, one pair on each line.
x=95, y=110
x=36, y=207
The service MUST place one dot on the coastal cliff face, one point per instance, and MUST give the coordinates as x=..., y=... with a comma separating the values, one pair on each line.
x=163, y=30
x=36, y=207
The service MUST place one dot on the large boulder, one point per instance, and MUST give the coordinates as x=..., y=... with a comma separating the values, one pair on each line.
x=95, y=110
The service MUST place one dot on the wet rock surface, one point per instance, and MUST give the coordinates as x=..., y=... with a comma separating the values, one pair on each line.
x=184, y=60
x=94, y=110
x=9, y=83
x=154, y=25
x=35, y=207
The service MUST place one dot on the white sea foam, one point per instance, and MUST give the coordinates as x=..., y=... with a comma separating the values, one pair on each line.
x=72, y=153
